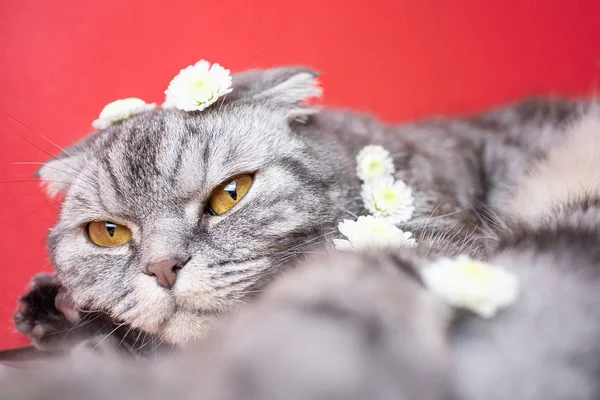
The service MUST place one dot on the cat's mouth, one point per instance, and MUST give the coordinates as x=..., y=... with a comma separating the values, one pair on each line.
x=173, y=320
x=200, y=296
x=203, y=295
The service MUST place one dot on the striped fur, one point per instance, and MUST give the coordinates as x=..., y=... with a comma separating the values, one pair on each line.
x=154, y=173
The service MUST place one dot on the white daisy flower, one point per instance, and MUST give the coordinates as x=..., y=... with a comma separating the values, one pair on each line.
x=391, y=200
x=119, y=110
x=371, y=232
x=198, y=86
x=477, y=286
x=374, y=162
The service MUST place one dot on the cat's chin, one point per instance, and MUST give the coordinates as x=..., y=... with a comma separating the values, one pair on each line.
x=186, y=328
x=153, y=306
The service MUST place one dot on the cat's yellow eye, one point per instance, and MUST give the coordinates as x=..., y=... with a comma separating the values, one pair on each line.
x=228, y=194
x=108, y=234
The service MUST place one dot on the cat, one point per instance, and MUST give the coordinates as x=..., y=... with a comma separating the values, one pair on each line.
x=153, y=175
x=356, y=325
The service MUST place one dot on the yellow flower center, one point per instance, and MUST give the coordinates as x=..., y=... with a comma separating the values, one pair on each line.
x=476, y=270
x=202, y=90
x=199, y=83
x=387, y=199
x=378, y=228
x=389, y=195
x=375, y=168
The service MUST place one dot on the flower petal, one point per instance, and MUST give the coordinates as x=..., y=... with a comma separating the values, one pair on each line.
x=120, y=110
x=372, y=232
x=198, y=86
x=374, y=162
x=474, y=285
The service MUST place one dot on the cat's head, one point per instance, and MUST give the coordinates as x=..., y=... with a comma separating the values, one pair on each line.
x=138, y=235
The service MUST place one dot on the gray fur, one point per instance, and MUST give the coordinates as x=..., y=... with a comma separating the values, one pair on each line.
x=545, y=346
x=155, y=172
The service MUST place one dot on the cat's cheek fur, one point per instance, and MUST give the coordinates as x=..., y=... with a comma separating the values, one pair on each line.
x=70, y=250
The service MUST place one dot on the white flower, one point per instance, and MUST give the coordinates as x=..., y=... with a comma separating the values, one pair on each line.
x=374, y=162
x=120, y=110
x=198, y=86
x=391, y=200
x=474, y=285
x=371, y=232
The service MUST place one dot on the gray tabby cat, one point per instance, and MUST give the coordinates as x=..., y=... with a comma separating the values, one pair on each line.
x=185, y=267
x=361, y=326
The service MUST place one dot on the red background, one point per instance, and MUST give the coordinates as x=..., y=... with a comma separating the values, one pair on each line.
x=62, y=61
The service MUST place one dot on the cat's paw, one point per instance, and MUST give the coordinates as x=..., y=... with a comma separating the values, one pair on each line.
x=45, y=314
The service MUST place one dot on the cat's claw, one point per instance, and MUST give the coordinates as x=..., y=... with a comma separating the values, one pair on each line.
x=46, y=314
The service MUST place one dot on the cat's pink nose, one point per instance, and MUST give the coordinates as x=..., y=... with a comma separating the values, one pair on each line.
x=165, y=272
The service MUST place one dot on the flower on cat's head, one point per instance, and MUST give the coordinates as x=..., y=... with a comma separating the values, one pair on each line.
x=474, y=285
x=198, y=86
x=391, y=200
x=371, y=232
x=374, y=162
x=119, y=110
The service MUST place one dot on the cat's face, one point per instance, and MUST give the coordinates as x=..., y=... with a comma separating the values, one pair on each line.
x=154, y=175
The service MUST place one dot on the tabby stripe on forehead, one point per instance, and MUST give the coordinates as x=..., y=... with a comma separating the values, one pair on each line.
x=205, y=154
x=109, y=143
x=148, y=151
x=100, y=198
x=177, y=165
x=113, y=177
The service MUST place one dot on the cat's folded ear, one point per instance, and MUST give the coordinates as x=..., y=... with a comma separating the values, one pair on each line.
x=59, y=173
x=287, y=88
